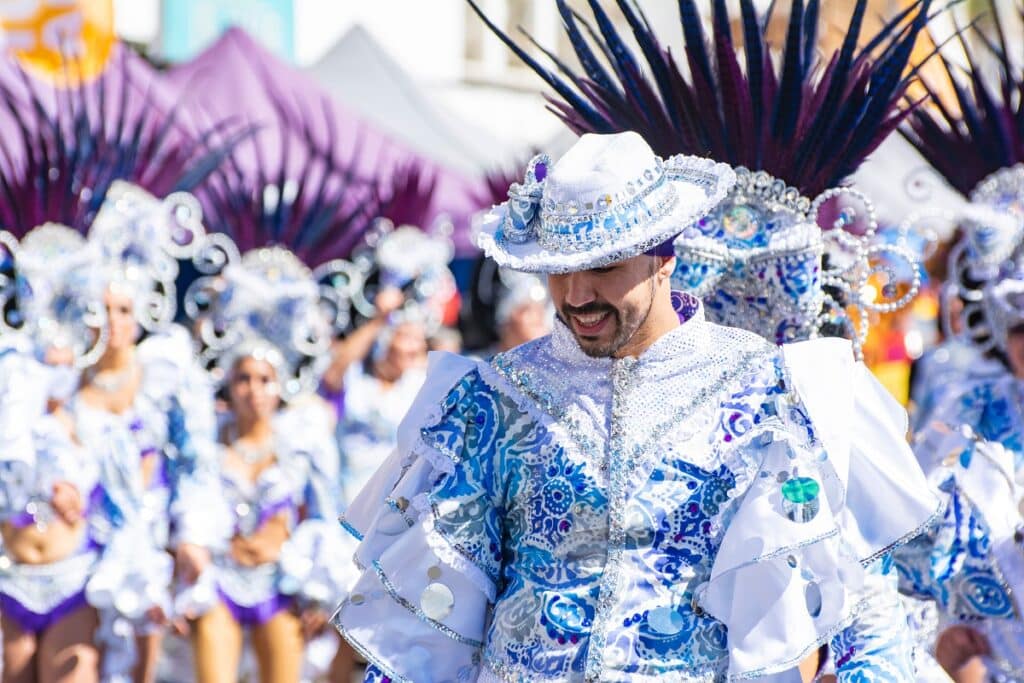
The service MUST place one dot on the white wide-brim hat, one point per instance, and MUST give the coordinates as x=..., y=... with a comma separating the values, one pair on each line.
x=609, y=198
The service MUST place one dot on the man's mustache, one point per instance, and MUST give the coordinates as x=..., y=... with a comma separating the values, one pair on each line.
x=587, y=309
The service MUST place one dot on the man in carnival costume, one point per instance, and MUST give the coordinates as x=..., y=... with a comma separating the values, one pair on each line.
x=759, y=260
x=757, y=263
x=640, y=494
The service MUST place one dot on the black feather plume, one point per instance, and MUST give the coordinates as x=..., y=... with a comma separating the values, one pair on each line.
x=808, y=119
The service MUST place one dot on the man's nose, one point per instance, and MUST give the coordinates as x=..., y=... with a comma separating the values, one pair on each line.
x=578, y=291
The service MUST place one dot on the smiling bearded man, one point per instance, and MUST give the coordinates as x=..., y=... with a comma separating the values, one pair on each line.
x=638, y=496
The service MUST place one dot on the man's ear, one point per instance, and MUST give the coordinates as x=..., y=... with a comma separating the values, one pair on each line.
x=668, y=266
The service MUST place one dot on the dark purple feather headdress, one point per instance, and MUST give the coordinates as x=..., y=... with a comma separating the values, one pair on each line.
x=805, y=119
x=410, y=197
x=322, y=208
x=70, y=144
x=982, y=130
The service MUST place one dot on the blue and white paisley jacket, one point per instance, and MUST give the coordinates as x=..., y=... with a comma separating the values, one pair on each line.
x=549, y=516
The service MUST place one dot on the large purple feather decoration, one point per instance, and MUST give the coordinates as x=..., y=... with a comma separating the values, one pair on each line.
x=61, y=158
x=321, y=212
x=981, y=129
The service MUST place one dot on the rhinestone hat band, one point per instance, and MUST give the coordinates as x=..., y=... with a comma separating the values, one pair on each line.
x=579, y=225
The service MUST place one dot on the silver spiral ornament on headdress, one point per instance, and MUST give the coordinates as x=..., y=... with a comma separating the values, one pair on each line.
x=53, y=298
x=402, y=257
x=139, y=239
x=265, y=304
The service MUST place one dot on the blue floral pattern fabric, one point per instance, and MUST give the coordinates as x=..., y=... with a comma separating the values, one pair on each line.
x=594, y=511
x=952, y=564
x=870, y=650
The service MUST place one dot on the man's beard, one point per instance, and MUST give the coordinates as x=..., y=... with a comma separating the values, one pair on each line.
x=624, y=322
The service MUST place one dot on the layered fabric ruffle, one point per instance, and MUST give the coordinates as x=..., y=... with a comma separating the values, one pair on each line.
x=781, y=584
x=398, y=561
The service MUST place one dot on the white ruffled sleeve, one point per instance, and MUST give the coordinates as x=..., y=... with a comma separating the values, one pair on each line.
x=428, y=523
x=832, y=486
x=864, y=431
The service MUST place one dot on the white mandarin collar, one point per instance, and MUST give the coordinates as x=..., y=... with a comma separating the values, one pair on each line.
x=688, y=338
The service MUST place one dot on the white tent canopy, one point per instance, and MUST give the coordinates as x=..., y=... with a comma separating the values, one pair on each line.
x=361, y=75
x=901, y=184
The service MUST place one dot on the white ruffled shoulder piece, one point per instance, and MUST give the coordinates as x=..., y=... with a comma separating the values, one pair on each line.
x=864, y=430
x=400, y=555
x=444, y=371
x=784, y=586
x=22, y=399
x=163, y=356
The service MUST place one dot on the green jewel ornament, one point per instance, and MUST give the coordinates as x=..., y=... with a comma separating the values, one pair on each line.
x=800, y=498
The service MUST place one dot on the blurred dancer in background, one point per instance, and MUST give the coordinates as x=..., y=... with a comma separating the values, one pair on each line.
x=53, y=523
x=147, y=386
x=378, y=369
x=264, y=329
x=970, y=435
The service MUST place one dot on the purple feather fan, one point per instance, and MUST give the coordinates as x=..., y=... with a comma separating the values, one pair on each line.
x=63, y=147
x=321, y=209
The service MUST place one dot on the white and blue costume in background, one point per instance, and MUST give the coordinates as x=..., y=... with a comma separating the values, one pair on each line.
x=711, y=509
x=171, y=421
x=36, y=452
x=941, y=371
x=972, y=563
x=369, y=413
x=970, y=440
x=266, y=304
